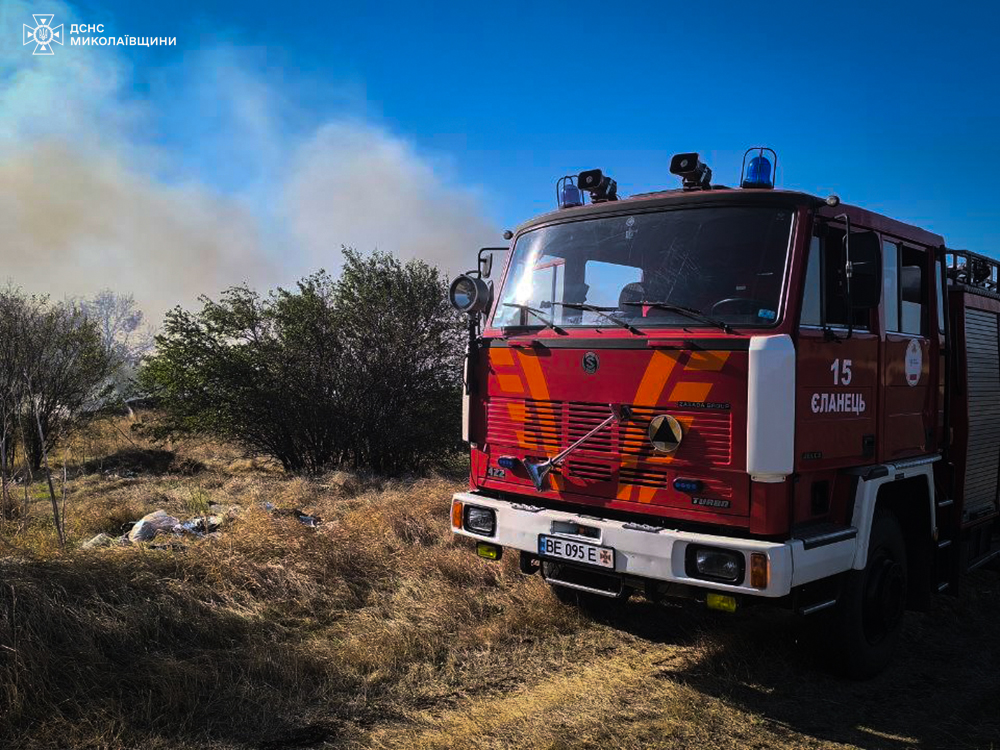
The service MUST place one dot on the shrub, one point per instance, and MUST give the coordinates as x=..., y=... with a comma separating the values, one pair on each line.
x=54, y=372
x=401, y=349
x=364, y=370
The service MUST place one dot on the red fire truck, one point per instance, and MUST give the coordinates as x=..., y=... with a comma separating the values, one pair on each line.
x=737, y=395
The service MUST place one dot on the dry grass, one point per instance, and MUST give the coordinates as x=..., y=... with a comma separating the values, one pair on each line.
x=379, y=630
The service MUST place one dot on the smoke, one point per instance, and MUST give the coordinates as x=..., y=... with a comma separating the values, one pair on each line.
x=89, y=200
x=355, y=184
x=76, y=223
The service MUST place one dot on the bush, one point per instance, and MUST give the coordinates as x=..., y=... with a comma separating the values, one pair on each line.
x=364, y=370
x=54, y=374
x=401, y=351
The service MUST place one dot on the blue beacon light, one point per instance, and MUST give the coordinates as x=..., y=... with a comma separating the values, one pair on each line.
x=568, y=194
x=758, y=171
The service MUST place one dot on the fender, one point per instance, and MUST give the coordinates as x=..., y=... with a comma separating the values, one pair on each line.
x=870, y=480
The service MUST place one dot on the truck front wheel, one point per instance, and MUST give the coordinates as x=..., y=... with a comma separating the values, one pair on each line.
x=866, y=625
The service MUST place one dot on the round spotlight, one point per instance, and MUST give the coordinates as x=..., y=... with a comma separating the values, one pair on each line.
x=469, y=294
x=665, y=433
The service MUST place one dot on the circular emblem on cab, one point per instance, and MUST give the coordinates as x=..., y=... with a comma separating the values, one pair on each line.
x=590, y=363
x=665, y=433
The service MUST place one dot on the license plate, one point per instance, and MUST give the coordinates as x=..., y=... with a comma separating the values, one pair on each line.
x=567, y=549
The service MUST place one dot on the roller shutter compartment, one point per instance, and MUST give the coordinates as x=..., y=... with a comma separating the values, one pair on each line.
x=983, y=387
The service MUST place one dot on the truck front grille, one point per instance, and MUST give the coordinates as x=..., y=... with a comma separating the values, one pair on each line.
x=550, y=426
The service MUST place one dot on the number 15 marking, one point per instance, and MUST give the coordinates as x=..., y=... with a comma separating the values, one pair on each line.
x=841, y=372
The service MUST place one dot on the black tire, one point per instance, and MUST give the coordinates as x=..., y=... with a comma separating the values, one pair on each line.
x=866, y=624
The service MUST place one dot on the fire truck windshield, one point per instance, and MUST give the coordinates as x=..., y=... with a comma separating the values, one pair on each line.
x=724, y=263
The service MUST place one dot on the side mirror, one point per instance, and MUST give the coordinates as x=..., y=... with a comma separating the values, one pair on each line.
x=486, y=265
x=864, y=256
x=486, y=260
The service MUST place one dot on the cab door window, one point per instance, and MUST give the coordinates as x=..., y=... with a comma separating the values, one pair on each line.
x=824, y=301
x=912, y=294
x=904, y=289
x=942, y=294
x=890, y=285
x=812, y=297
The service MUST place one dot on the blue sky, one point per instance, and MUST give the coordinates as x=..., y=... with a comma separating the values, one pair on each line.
x=895, y=107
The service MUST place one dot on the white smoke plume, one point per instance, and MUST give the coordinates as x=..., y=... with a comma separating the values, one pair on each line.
x=74, y=224
x=352, y=183
x=89, y=200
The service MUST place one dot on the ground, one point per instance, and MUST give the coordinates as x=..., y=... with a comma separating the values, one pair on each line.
x=378, y=630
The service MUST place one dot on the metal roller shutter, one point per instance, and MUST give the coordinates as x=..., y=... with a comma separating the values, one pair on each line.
x=983, y=378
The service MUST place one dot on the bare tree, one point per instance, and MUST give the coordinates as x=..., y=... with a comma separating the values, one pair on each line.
x=121, y=324
x=125, y=334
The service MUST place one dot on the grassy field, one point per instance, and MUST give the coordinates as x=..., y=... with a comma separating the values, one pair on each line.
x=378, y=630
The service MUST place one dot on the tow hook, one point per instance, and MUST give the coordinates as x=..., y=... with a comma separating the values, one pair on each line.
x=528, y=563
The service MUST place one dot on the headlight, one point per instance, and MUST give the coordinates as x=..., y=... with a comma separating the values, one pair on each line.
x=715, y=564
x=469, y=294
x=480, y=520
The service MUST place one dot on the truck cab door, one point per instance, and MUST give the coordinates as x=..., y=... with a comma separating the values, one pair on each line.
x=837, y=378
x=909, y=413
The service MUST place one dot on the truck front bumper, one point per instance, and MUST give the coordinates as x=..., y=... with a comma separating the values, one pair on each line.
x=657, y=553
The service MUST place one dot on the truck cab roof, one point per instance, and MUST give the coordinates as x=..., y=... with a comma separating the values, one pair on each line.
x=721, y=195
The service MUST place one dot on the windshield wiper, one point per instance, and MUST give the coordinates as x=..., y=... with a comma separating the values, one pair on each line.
x=549, y=323
x=603, y=312
x=688, y=312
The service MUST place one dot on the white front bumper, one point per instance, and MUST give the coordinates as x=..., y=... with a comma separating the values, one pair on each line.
x=657, y=553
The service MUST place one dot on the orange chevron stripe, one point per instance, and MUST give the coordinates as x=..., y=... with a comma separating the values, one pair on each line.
x=501, y=357
x=510, y=383
x=654, y=379
x=533, y=373
x=646, y=494
x=690, y=391
x=707, y=361
x=524, y=441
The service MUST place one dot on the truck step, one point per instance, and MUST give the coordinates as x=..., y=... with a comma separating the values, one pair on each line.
x=985, y=560
x=818, y=607
x=821, y=534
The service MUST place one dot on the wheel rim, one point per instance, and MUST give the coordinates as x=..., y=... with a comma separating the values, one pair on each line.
x=885, y=596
